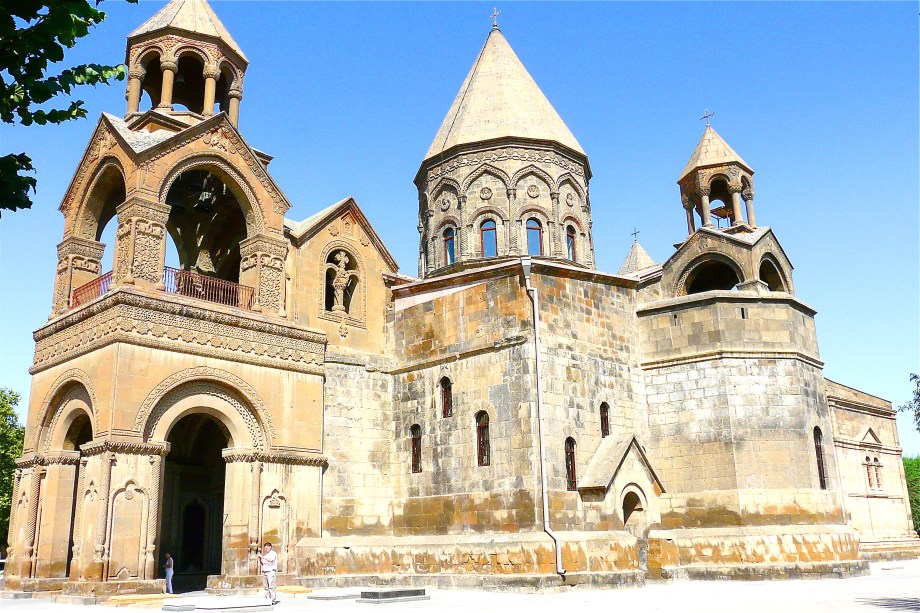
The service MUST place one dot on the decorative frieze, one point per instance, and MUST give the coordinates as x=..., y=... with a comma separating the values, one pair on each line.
x=236, y=454
x=126, y=316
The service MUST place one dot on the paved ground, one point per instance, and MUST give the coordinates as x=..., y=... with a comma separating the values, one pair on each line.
x=892, y=586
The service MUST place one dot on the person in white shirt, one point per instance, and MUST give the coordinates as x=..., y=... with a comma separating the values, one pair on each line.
x=269, y=560
x=169, y=573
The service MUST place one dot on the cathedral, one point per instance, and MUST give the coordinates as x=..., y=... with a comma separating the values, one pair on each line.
x=511, y=417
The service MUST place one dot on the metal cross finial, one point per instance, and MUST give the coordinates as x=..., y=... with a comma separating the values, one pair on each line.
x=635, y=234
x=495, y=14
x=706, y=115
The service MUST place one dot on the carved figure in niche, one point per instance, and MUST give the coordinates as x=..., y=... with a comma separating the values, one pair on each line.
x=341, y=281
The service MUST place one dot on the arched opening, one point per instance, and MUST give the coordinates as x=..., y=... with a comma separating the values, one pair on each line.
x=534, y=237
x=634, y=514
x=571, y=250
x=188, y=84
x=224, y=82
x=107, y=193
x=489, y=239
x=770, y=275
x=192, y=515
x=450, y=252
x=415, y=441
x=483, y=445
x=711, y=275
x=571, y=478
x=206, y=223
x=79, y=433
x=605, y=420
x=152, y=84
x=447, y=398
x=341, y=281
x=720, y=203
x=819, y=456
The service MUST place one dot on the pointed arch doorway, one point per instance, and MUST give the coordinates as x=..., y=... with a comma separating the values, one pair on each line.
x=194, y=483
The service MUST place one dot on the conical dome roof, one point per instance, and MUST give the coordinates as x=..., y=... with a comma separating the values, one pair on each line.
x=194, y=16
x=500, y=98
x=712, y=150
x=637, y=259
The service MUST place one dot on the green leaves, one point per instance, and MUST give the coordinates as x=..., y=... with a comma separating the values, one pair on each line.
x=11, y=438
x=33, y=35
x=913, y=405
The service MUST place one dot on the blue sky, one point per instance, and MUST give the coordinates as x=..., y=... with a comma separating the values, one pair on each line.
x=820, y=98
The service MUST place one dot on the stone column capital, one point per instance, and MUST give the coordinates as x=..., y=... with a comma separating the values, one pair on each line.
x=137, y=207
x=169, y=64
x=211, y=71
x=236, y=92
x=704, y=190
x=137, y=72
x=74, y=245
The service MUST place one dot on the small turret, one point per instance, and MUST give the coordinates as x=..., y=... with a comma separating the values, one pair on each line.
x=715, y=173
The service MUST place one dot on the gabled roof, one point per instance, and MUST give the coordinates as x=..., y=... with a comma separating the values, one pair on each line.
x=637, y=259
x=608, y=459
x=301, y=231
x=195, y=16
x=499, y=98
x=712, y=150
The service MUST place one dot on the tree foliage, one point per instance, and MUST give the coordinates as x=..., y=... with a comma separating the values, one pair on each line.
x=913, y=405
x=33, y=35
x=11, y=437
x=912, y=476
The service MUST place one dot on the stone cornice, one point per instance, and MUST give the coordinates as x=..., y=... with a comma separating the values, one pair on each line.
x=722, y=297
x=859, y=407
x=877, y=447
x=162, y=321
x=136, y=447
x=236, y=454
x=729, y=354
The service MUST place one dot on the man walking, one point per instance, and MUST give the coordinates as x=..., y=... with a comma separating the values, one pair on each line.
x=269, y=560
x=169, y=573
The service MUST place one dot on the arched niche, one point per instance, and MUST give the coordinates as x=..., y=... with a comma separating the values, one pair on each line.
x=712, y=272
x=769, y=273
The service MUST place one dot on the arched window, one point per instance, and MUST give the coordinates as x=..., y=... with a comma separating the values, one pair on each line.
x=878, y=473
x=869, y=473
x=489, y=239
x=415, y=433
x=483, y=451
x=605, y=419
x=341, y=281
x=770, y=275
x=819, y=455
x=570, y=243
x=711, y=275
x=534, y=237
x=571, y=480
x=449, y=250
x=447, y=398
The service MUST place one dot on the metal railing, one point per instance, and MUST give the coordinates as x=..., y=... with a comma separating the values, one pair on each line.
x=194, y=285
x=90, y=291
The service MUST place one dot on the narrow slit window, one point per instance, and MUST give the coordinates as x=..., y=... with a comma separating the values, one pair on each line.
x=450, y=254
x=571, y=479
x=605, y=420
x=877, y=466
x=489, y=238
x=447, y=398
x=819, y=456
x=416, y=445
x=483, y=450
x=534, y=237
x=570, y=248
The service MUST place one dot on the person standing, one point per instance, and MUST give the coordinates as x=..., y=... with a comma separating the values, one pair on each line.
x=169, y=573
x=269, y=561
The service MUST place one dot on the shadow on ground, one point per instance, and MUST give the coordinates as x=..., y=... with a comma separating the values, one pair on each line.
x=894, y=604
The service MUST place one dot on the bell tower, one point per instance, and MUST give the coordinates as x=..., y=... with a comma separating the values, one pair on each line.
x=716, y=174
x=183, y=62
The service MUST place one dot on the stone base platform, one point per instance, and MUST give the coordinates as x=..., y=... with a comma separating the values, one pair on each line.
x=392, y=595
x=767, y=572
x=242, y=585
x=218, y=604
x=906, y=548
x=45, y=584
x=102, y=590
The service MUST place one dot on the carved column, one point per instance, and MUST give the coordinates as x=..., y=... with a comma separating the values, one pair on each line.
x=691, y=222
x=77, y=536
x=169, y=68
x=140, y=243
x=153, y=513
x=79, y=262
x=748, y=195
x=11, y=556
x=554, y=227
x=254, y=499
x=211, y=74
x=27, y=566
x=705, y=215
x=235, y=95
x=736, y=205
x=262, y=268
x=514, y=225
x=135, y=78
x=102, y=518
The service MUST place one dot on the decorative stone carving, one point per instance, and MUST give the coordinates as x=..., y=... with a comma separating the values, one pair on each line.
x=128, y=317
x=533, y=191
x=570, y=199
x=140, y=242
x=78, y=263
x=341, y=279
x=485, y=193
x=262, y=267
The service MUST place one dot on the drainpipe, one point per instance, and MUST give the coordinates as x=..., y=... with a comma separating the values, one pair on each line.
x=544, y=491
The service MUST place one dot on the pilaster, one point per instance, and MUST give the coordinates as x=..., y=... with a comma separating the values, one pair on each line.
x=140, y=243
x=262, y=268
x=79, y=262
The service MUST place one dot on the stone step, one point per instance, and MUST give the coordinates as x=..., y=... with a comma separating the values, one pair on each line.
x=389, y=595
x=218, y=604
x=140, y=600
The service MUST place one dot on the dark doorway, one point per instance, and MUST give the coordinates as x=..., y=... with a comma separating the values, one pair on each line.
x=79, y=433
x=193, y=501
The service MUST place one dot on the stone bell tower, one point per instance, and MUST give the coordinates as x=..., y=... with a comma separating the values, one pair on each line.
x=186, y=62
x=504, y=176
x=715, y=173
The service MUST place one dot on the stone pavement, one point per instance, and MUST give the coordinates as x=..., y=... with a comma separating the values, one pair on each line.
x=892, y=586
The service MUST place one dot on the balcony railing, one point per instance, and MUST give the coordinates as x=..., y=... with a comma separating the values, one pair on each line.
x=90, y=291
x=181, y=282
x=194, y=285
